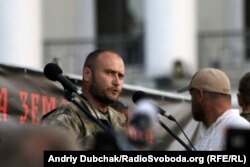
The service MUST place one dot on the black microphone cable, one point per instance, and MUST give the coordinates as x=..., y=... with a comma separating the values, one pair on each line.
x=72, y=93
x=185, y=134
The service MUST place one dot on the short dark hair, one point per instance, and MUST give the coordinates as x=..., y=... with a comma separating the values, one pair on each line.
x=91, y=58
x=244, y=87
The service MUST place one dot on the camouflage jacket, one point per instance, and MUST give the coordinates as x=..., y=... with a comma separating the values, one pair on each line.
x=78, y=125
x=246, y=115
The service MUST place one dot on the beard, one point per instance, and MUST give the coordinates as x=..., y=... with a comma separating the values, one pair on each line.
x=98, y=92
x=197, y=112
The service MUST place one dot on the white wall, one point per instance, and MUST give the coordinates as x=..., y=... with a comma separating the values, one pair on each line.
x=217, y=15
x=59, y=18
x=71, y=21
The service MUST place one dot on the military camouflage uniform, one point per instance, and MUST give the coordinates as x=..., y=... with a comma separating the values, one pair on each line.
x=246, y=115
x=76, y=123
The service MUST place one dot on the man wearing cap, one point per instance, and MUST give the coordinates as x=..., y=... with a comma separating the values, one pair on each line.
x=210, y=91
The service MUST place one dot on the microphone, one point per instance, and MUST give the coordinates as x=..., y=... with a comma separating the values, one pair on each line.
x=143, y=115
x=139, y=95
x=53, y=72
x=142, y=120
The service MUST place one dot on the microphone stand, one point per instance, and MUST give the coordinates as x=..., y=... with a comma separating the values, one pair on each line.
x=175, y=136
x=54, y=73
x=84, y=109
x=76, y=99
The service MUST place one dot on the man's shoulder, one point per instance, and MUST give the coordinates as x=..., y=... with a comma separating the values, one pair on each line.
x=116, y=113
x=64, y=109
x=235, y=119
x=246, y=116
x=117, y=117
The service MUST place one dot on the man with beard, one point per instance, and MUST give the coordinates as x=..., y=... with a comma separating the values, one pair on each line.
x=103, y=79
x=210, y=91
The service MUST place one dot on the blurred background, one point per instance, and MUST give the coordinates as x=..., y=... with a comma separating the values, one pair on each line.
x=163, y=42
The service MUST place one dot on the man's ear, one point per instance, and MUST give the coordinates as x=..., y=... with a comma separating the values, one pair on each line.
x=200, y=95
x=86, y=74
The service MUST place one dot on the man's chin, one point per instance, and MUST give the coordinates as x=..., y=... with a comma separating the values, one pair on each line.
x=110, y=100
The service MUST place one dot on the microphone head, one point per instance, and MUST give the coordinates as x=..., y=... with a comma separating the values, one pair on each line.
x=144, y=114
x=51, y=71
x=138, y=95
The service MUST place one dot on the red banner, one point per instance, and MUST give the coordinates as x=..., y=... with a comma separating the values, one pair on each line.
x=26, y=95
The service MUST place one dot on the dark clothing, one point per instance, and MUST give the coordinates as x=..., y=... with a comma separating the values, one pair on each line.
x=246, y=115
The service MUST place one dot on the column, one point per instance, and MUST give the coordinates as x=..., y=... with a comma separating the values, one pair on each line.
x=170, y=36
x=20, y=33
